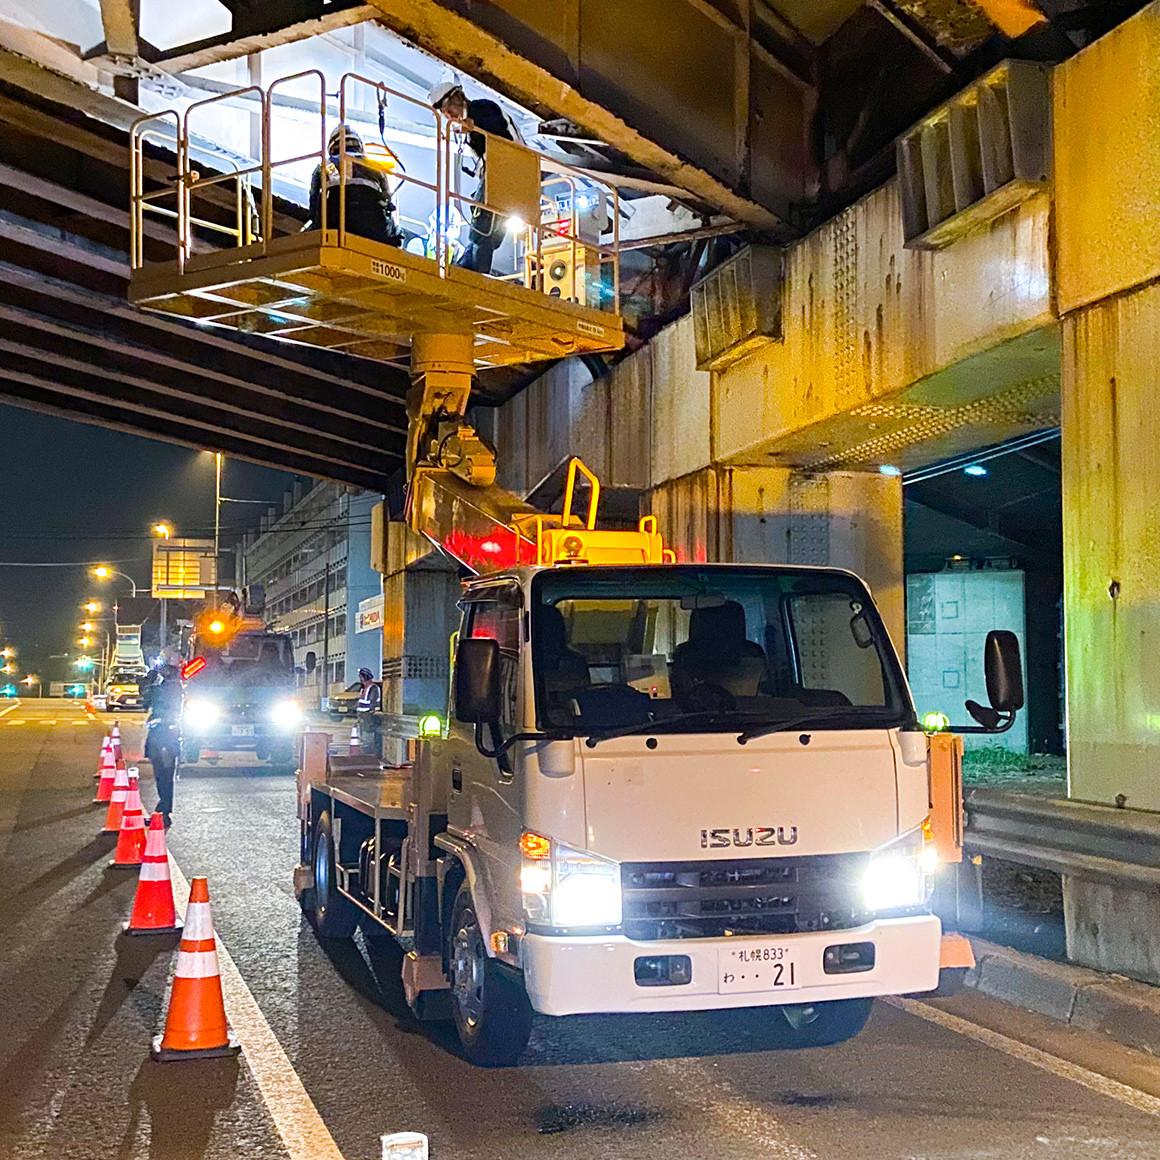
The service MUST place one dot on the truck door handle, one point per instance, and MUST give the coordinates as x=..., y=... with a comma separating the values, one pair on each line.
x=456, y=779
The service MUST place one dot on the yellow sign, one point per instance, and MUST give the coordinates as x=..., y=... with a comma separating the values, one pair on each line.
x=183, y=569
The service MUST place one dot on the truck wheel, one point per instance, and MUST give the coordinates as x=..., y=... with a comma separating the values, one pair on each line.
x=190, y=754
x=334, y=915
x=491, y=1010
x=825, y=1024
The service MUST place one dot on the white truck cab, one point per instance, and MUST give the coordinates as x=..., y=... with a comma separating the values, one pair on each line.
x=682, y=787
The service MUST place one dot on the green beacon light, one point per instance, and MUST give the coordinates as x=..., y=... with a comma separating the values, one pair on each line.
x=431, y=725
x=935, y=722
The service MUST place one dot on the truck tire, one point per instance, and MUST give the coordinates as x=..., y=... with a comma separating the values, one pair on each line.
x=334, y=916
x=825, y=1024
x=189, y=754
x=489, y=1005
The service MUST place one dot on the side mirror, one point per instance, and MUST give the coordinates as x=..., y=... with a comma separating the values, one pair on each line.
x=311, y=661
x=478, y=689
x=1004, y=671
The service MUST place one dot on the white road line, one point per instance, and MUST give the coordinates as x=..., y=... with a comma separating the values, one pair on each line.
x=20, y=722
x=1112, y=1088
x=303, y=1133
x=80, y=722
x=14, y=705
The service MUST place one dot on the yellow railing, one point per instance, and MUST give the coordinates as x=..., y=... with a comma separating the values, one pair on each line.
x=558, y=250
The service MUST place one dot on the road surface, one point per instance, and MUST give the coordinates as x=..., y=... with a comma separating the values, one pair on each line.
x=333, y=1058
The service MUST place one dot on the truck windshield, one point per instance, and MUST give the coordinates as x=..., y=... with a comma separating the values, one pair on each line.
x=710, y=648
x=249, y=659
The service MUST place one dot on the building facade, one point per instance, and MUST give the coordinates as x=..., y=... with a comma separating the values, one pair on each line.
x=313, y=559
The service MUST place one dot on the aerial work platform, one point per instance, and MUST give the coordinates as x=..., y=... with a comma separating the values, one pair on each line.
x=553, y=290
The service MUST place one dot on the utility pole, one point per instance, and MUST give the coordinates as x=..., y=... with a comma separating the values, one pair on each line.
x=217, y=522
x=325, y=690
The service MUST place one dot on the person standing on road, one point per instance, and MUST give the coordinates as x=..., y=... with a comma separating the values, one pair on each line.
x=163, y=698
x=370, y=702
x=484, y=116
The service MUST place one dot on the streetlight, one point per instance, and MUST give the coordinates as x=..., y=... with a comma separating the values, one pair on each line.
x=91, y=606
x=86, y=641
x=31, y=680
x=88, y=626
x=163, y=530
x=103, y=572
x=7, y=653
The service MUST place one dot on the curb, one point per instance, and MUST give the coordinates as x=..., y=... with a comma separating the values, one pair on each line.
x=1123, y=1009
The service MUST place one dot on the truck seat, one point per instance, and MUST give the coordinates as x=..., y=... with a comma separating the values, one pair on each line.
x=563, y=669
x=718, y=653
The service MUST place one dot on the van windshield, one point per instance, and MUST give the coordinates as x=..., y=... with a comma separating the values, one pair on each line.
x=710, y=648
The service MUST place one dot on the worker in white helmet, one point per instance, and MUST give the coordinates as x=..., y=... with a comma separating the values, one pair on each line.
x=370, y=210
x=486, y=233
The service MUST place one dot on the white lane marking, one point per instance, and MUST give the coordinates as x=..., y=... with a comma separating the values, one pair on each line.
x=82, y=723
x=304, y=1135
x=14, y=705
x=1112, y=1088
x=20, y=722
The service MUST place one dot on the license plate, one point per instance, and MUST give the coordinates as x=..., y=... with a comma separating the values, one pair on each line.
x=243, y=731
x=757, y=967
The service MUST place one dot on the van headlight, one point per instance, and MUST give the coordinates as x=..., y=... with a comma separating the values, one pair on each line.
x=286, y=714
x=566, y=887
x=199, y=714
x=900, y=874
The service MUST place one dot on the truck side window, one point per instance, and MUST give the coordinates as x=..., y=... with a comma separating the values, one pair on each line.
x=500, y=622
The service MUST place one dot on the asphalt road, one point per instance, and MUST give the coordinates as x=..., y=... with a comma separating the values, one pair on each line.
x=76, y=1081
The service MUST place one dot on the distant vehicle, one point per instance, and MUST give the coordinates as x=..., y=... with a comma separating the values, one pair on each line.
x=123, y=688
x=239, y=689
x=345, y=704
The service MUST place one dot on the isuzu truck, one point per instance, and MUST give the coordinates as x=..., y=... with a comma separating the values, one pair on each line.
x=661, y=787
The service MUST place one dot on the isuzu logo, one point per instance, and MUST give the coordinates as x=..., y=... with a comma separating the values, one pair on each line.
x=751, y=836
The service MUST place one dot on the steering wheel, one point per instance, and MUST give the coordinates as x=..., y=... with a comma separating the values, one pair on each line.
x=710, y=698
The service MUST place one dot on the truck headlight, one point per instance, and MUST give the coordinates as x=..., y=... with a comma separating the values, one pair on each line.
x=899, y=874
x=566, y=887
x=199, y=714
x=286, y=714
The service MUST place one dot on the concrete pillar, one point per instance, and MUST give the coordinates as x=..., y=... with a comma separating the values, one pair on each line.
x=420, y=591
x=850, y=519
x=1107, y=178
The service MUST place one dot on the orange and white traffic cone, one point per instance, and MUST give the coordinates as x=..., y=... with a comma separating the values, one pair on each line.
x=117, y=800
x=354, y=749
x=131, y=838
x=116, y=738
x=106, y=747
x=107, y=773
x=153, y=909
x=196, y=1026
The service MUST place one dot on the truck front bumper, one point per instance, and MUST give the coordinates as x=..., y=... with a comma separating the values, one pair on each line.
x=596, y=975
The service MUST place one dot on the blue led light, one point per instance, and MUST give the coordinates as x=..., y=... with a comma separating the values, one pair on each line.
x=975, y=469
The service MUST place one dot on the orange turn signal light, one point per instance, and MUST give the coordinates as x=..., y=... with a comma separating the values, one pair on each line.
x=535, y=847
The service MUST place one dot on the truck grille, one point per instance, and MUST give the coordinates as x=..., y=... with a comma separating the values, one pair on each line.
x=665, y=900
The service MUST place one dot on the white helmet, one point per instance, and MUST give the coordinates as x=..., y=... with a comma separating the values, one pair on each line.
x=354, y=143
x=440, y=92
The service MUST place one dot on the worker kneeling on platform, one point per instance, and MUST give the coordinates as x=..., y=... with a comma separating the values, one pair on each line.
x=370, y=210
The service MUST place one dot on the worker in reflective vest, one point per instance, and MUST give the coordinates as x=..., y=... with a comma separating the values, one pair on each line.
x=370, y=702
x=370, y=210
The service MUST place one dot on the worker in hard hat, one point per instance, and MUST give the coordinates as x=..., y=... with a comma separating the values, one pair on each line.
x=163, y=698
x=369, y=714
x=370, y=210
x=482, y=116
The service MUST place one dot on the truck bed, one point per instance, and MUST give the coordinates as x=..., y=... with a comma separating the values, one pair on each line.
x=360, y=783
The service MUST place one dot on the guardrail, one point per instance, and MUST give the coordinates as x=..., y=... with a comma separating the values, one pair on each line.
x=1098, y=843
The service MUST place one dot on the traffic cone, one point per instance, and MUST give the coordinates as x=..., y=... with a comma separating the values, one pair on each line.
x=131, y=838
x=354, y=749
x=153, y=909
x=116, y=736
x=106, y=747
x=117, y=800
x=107, y=772
x=196, y=1026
